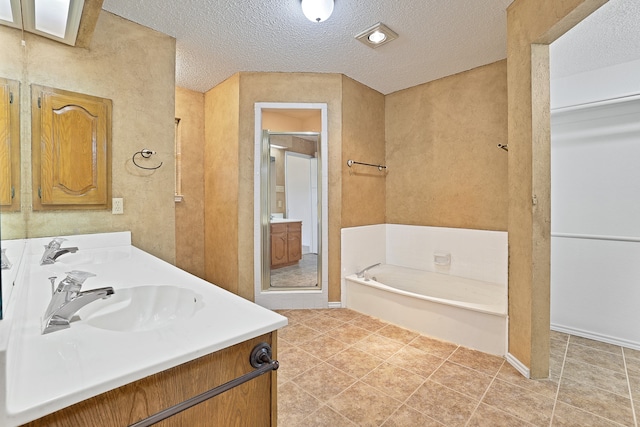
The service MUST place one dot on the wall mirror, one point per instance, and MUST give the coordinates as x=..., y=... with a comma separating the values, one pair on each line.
x=293, y=211
x=290, y=199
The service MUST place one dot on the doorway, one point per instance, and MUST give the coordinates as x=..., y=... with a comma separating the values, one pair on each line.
x=290, y=199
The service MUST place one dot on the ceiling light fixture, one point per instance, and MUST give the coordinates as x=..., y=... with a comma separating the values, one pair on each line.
x=377, y=35
x=317, y=10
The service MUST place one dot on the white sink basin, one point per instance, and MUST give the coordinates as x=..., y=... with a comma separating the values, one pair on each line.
x=142, y=308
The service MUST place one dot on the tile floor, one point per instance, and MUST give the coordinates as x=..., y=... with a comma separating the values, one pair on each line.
x=302, y=274
x=341, y=368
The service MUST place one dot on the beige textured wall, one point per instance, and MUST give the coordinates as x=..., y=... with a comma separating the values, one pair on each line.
x=190, y=211
x=363, y=135
x=135, y=67
x=221, y=175
x=531, y=26
x=445, y=168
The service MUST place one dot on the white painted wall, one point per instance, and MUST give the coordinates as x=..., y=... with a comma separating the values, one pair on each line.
x=299, y=203
x=595, y=204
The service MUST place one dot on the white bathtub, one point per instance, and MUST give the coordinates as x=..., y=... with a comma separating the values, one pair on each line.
x=468, y=312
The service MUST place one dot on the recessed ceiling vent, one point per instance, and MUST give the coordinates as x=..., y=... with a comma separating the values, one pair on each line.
x=377, y=35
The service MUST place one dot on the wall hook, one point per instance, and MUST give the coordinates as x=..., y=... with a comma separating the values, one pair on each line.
x=145, y=153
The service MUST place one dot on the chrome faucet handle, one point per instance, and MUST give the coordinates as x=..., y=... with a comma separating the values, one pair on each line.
x=53, y=250
x=67, y=299
x=52, y=279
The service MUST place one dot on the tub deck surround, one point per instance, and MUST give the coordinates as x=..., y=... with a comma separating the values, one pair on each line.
x=463, y=301
x=45, y=373
x=476, y=319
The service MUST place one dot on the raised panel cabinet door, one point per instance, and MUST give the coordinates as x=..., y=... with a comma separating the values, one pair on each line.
x=9, y=145
x=279, y=251
x=74, y=142
x=294, y=242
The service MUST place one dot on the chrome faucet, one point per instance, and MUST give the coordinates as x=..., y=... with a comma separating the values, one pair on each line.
x=53, y=250
x=360, y=274
x=67, y=299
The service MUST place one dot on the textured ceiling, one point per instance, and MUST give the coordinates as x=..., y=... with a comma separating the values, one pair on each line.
x=218, y=38
x=609, y=36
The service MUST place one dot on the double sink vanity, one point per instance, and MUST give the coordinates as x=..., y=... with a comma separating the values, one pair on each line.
x=147, y=337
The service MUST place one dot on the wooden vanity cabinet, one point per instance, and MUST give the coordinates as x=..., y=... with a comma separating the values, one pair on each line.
x=9, y=145
x=252, y=404
x=71, y=146
x=286, y=243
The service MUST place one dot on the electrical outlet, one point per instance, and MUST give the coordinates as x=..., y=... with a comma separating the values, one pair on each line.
x=117, y=206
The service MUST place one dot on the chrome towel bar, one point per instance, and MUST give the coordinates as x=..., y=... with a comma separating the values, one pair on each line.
x=260, y=359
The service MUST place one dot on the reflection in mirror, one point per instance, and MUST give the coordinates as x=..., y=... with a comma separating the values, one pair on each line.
x=294, y=210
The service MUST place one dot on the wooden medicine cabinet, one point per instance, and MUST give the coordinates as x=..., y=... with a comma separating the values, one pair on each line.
x=9, y=145
x=71, y=150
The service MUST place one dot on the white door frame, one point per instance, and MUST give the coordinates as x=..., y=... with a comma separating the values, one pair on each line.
x=282, y=299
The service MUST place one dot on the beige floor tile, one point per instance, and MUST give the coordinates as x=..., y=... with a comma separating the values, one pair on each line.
x=546, y=387
x=298, y=333
x=442, y=404
x=595, y=357
x=555, y=335
x=590, y=399
x=556, y=362
x=324, y=381
x=354, y=362
x=416, y=361
x=632, y=353
x=570, y=416
x=379, y=346
x=369, y=323
x=349, y=334
x=344, y=314
x=393, y=381
x=295, y=316
x=462, y=379
x=595, y=376
x=433, y=346
x=474, y=359
x=364, y=405
x=325, y=417
x=322, y=323
x=406, y=416
x=294, y=404
x=633, y=365
x=603, y=346
x=397, y=333
x=519, y=402
x=324, y=346
x=487, y=416
x=343, y=368
x=558, y=346
x=294, y=362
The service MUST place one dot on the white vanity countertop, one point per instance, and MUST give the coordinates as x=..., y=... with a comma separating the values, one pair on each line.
x=45, y=373
x=284, y=220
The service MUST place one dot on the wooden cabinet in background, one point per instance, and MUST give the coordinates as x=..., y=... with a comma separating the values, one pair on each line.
x=71, y=146
x=286, y=243
x=9, y=145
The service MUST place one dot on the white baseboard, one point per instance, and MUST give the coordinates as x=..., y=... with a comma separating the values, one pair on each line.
x=520, y=367
x=337, y=304
x=595, y=336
